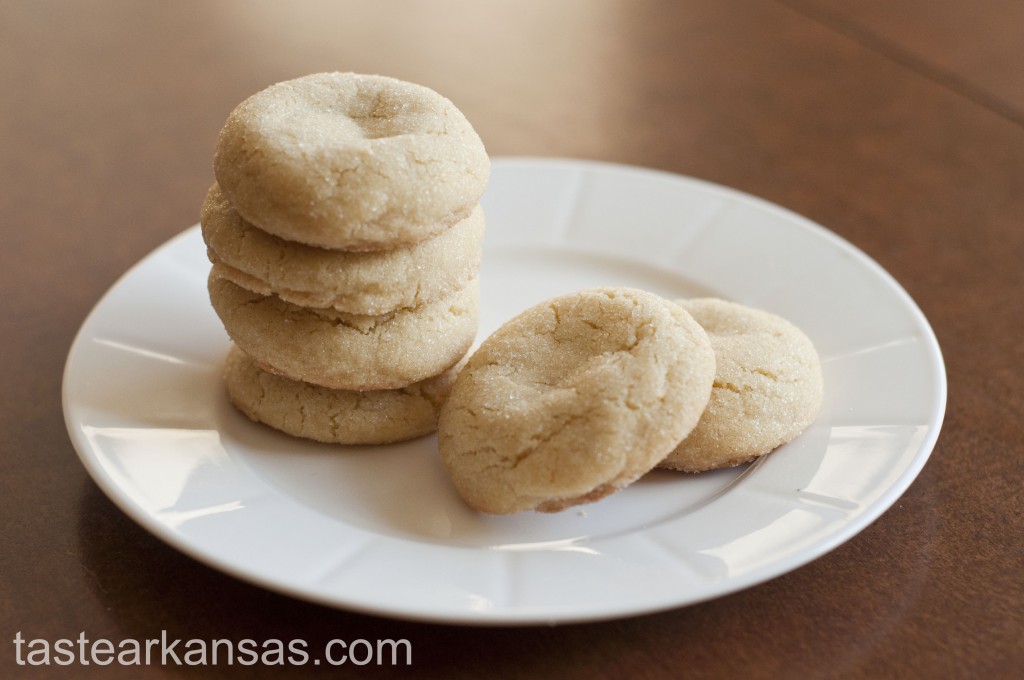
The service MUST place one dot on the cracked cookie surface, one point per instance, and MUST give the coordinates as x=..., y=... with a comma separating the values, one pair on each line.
x=350, y=161
x=574, y=399
x=335, y=416
x=768, y=387
x=348, y=351
x=372, y=282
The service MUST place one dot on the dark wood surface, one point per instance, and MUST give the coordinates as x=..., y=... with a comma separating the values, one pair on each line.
x=897, y=124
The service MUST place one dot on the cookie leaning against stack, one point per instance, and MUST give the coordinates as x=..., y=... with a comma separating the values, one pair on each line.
x=345, y=233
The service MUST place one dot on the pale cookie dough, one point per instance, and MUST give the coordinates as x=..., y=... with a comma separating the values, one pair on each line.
x=348, y=351
x=348, y=161
x=335, y=416
x=355, y=282
x=768, y=387
x=573, y=400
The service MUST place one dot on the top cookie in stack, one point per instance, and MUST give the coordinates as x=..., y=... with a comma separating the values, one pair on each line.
x=350, y=162
x=345, y=231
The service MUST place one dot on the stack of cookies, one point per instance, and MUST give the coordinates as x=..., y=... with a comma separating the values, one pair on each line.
x=345, y=235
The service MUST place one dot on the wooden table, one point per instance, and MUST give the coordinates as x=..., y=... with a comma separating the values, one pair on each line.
x=898, y=124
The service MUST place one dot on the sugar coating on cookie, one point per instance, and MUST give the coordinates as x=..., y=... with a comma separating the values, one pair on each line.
x=373, y=282
x=335, y=416
x=350, y=161
x=348, y=351
x=768, y=387
x=574, y=399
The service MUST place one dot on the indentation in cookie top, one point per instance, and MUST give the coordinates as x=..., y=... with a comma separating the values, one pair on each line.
x=324, y=110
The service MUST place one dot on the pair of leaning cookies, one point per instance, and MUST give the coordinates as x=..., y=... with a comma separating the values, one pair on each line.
x=583, y=394
x=345, y=235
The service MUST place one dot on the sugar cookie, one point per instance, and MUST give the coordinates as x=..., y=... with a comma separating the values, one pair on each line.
x=349, y=161
x=373, y=282
x=767, y=390
x=574, y=399
x=348, y=351
x=335, y=416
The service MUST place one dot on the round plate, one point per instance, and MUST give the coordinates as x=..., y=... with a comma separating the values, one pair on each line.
x=381, y=530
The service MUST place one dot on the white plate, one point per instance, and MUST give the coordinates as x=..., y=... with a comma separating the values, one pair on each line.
x=380, y=530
